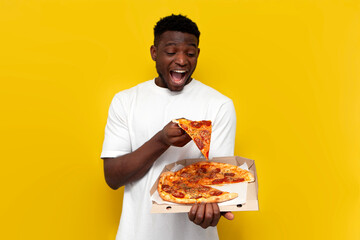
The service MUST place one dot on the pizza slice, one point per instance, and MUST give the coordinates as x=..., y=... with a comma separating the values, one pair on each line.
x=199, y=131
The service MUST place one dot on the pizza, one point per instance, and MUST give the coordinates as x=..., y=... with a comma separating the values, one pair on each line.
x=199, y=131
x=193, y=183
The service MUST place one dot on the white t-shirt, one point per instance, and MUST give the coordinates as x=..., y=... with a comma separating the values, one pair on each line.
x=135, y=116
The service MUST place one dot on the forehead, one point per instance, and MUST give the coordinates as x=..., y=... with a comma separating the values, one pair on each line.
x=177, y=38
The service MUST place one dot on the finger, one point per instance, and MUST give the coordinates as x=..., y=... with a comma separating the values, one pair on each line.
x=175, y=131
x=176, y=126
x=180, y=141
x=172, y=124
x=183, y=138
x=192, y=212
x=208, y=217
x=217, y=214
x=199, y=216
x=228, y=215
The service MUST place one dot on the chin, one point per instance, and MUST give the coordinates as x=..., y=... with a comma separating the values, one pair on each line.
x=178, y=87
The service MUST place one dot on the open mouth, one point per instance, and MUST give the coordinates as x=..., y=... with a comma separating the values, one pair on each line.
x=178, y=77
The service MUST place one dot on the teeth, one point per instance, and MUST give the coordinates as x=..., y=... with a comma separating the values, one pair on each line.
x=179, y=71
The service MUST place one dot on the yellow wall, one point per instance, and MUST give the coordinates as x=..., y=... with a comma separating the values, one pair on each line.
x=291, y=68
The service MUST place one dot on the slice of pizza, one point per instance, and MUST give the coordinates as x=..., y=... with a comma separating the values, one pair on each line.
x=199, y=131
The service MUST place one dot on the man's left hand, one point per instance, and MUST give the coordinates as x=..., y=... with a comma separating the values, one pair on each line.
x=207, y=214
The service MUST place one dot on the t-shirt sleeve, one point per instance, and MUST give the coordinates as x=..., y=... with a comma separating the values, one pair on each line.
x=117, y=140
x=223, y=132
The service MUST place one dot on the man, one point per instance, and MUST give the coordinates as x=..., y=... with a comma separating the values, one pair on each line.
x=140, y=138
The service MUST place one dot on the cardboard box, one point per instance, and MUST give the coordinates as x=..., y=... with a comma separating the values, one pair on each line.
x=252, y=188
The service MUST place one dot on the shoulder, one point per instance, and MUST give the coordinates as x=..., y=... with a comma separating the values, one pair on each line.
x=123, y=100
x=132, y=92
x=210, y=92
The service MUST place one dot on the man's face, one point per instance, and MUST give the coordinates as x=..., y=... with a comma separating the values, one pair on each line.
x=176, y=56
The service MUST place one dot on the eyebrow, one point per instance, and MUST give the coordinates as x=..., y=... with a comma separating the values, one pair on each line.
x=174, y=44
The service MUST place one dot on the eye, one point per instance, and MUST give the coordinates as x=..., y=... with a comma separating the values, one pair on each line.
x=170, y=53
x=190, y=54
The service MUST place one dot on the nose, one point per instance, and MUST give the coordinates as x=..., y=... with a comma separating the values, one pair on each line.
x=181, y=59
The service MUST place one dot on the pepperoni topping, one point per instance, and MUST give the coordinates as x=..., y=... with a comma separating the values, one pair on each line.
x=229, y=174
x=218, y=181
x=215, y=193
x=199, y=143
x=178, y=194
x=216, y=170
x=166, y=188
x=235, y=180
x=196, y=124
x=206, y=123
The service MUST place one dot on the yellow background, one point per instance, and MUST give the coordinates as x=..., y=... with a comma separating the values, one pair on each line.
x=291, y=67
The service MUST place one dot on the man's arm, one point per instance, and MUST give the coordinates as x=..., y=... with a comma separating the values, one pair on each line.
x=132, y=166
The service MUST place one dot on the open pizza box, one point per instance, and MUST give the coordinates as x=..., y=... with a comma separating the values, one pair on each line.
x=249, y=203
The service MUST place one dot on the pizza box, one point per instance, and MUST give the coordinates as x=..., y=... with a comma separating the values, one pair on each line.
x=251, y=203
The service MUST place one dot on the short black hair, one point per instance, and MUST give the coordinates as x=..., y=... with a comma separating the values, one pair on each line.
x=178, y=23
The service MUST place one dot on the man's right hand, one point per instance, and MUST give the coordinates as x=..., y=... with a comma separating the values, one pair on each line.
x=173, y=135
x=133, y=166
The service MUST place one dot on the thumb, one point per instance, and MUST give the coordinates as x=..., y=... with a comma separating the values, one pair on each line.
x=228, y=215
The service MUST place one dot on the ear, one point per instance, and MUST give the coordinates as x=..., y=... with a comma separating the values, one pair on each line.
x=153, y=52
x=198, y=52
